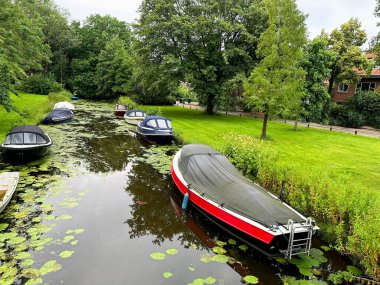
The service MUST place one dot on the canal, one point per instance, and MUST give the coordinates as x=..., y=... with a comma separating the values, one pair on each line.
x=101, y=208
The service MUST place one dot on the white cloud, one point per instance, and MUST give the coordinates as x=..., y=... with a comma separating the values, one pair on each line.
x=327, y=14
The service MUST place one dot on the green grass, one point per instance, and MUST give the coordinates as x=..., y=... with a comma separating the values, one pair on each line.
x=34, y=107
x=342, y=155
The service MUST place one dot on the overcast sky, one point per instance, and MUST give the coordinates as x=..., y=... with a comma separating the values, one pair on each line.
x=326, y=14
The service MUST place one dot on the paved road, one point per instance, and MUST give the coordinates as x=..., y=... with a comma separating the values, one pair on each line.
x=362, y=132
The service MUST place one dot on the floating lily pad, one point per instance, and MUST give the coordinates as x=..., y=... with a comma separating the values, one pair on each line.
x=34, y=281
x=50, y=266
x=191, y=268
x=167, y=274
x=68, y=239
x=197, y=281
x=206, y=258
x=281, y=260
x=209, y=280
x=66, y=254
x=22, y=255
x=220, y=258
x=74, y=242
x=158, y=256
x=243, y=247
x=171, y=251
x=232, y=242
x=27, y=262
x=65, y=217
x=77, y=231
x=218, y=250
x=250, y=279
x=3, y=227
x=7, y=281
x=221, y=243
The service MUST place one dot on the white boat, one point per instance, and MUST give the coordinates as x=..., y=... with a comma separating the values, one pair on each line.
x=8, y=184
x=133, y=117
x=64, y=105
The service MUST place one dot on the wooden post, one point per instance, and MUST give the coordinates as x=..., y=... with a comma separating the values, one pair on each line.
x=308, y=125
x=282, y=190
x=356, y=132
x=330, y=129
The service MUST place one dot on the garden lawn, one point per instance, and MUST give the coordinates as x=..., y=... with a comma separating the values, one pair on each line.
x=33, y=106
x=342, y=155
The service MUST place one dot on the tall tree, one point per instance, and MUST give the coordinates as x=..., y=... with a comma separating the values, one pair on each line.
x=114, y=70
x=345, y=43
x=91, y=38
x=22, y=47
x=276, y=84
x=203, y=42
x=317, y=63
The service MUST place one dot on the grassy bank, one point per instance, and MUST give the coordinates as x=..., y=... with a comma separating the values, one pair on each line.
x=330, y=176
x=32, y=109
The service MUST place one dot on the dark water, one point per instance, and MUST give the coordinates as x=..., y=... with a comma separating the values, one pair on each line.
x=128, y=210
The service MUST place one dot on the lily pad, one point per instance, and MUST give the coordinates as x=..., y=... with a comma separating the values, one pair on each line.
x=3, y=227
x=77, y=231
x=66, y=254
x=306, y=272
x=167, y=274
x=220, y=258
x=27, y=262
x=68, y=239
x=34, y=281
x=209, y=280
x=250, y=279
x=158, y=256
x=232, y=242
x=65, y=217
x=22, y=255
x=191, y=268
x=218, y=250
x=243, y=247
x=50, y=266
x=198, y=281
x=206, y=258
x=221, y=243
x=171, y=251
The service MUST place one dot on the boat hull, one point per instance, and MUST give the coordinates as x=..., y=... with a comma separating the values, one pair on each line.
x=8, y=184
x=155, y=136
x=270, y=242
x=25, y=152
x=119, y=113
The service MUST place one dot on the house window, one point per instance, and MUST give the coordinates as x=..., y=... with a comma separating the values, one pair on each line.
x=342, y=88
x=366, y=86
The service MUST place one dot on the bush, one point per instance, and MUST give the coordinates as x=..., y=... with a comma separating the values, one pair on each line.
x=361, y=110
x=352, y=208
x=40, y=84
x=127, y=101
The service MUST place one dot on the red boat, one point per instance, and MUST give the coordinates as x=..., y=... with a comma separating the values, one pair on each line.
x=120, y=110
x=214, y=186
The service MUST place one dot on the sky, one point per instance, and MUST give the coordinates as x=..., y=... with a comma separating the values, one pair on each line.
x=323, y=14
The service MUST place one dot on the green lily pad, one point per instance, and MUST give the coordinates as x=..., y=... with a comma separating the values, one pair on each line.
x=220, y=258
x=209, y=280
x=77, y=231
x=221, y=243
x=171, y=251
x=281, y=260
x=306, y=272
x=191, y=268
x=34, y=281
x=232, y=242
x=243, y=247
x=65, y=217
x=158, y=256
x=218, y=250
x=7, y=281
x=198, y=281
x=68, y=239
x=16, y=240
x=206, y=258
x=250, y=279
x=66, y=254
x=22, y=255
x=50, y=266
x=167, y=275
x=30, y=273
x=3, y=227
x=27, y=262
x=74, y=242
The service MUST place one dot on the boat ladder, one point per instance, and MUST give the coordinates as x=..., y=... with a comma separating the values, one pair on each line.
x=301, y=245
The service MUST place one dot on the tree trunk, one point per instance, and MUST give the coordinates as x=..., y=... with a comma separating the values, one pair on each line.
x=296, y=124
x=210, y=104
x=331, y=86
x=264, y=130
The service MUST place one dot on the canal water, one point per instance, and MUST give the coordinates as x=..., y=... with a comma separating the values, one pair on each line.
x=101, y=208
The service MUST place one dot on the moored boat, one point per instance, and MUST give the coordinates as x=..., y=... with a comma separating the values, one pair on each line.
x=8, y=184
x=156, y=129
x=57, y=116
x=215, y=187
x=120, y=110
x=64, y=105
x=26, y=142
x=133, y=117
x=75, y=98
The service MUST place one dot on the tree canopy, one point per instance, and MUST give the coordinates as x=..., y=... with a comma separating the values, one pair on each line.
x=205, y=43
x=276, y=86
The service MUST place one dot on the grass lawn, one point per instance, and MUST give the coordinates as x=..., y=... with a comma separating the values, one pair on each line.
x=343, y=155
x=34, y=106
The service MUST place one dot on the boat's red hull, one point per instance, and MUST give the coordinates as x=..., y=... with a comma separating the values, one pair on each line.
x=221, y=214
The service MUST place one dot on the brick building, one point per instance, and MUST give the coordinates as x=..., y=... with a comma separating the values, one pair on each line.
x=342, y=92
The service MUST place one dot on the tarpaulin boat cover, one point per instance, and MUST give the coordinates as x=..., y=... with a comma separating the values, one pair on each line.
x=211, y=174
x=29, y=129
x=57, y=115
x=64, y=105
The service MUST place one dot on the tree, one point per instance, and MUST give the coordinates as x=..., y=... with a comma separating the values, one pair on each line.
x=318, y=59
x=114, y=70
x=205, y=43
x=22, y=47
x=276, y=86
x=345, y=43
x=91, y=38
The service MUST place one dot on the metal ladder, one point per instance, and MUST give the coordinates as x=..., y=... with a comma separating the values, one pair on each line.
x=301, y=245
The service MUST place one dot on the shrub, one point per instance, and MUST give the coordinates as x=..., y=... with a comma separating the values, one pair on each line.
x=127, y=101
x=40, y=84
x=154, y=112
x=352, y=208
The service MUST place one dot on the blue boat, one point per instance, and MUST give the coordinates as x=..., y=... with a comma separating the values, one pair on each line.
x=58, y=116
x=74, y=98
x=155, y=128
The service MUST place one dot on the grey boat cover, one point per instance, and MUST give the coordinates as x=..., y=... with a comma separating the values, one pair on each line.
x=29, y=129
x=211, y=174
x=57, y=115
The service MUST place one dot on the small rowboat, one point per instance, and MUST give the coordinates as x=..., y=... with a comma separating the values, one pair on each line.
x=213, y=185
x=133, y=117
x=8, y=184
x=156, y=129
x=120, y=110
